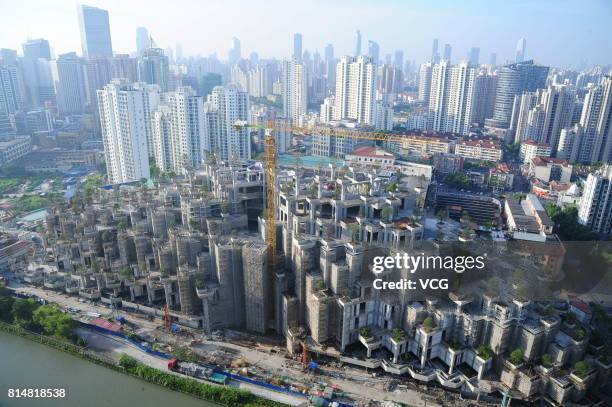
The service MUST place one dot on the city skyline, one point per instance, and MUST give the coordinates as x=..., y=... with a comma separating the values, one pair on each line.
x=492, y=28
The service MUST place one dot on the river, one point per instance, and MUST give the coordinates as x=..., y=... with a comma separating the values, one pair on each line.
x=27, y=364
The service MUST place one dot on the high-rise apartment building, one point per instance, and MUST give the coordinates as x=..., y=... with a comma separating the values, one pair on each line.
x=512, y=80
x=95, y=32
x=595, y=209
x=484, y=96
x=452, y=89
x=295, y=89
x=143, y=41
x=355, y=89
x=596, y=121
x=541, y=115
x=178, y=131
x=154, y=68
x=225, y=106
x=425, y=73
x=126, y=118
x=70, y=84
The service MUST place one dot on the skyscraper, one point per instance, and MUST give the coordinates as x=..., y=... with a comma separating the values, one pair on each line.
x=234, y=53
x=596, y=121
x=225, y=106
x=474, y=56
x=355, y=89
x=38, y=48
x=425, y=82
x=357, y=43
x=143, y=41
x=520, y=50
x=398, y=59
x=374, y=51
x=95, y=32
x=99, y=72
x=514, y=79
x=297, y=47
x=125, y=116
x=450, y=107
x=124, y=66
x=36, y=70
x=595, y=209
x=543, y=114
x=493, y=59
x=154, y=68
x=295, y=89
x=447, y=52
x=178, y=131
x=70, y=84
x=484, y=96
x=435, y=56
x=11, y=90
x=390, y=79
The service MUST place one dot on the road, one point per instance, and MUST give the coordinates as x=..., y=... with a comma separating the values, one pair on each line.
x=356, y=383
x=114, y=347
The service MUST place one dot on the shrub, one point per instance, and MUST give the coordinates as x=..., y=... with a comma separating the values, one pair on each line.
x=516, y=357
x=484, y=352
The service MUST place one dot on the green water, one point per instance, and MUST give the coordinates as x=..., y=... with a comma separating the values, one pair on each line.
x=27, y=364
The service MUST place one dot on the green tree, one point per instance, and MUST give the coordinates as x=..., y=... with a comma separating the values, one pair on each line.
x=387, y=213
x=547, y=360
x=22, y=312
x=484, y=352
x=6, y=307
x=516, y=356
x=53, y=322
x=581, y=368
x=429, y=324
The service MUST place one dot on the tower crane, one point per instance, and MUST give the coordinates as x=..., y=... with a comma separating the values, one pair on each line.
x=271, y=158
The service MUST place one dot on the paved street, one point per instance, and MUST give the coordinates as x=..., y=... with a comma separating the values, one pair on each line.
x=357, y=384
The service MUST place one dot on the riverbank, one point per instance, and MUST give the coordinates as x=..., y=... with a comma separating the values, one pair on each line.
x=219, y=395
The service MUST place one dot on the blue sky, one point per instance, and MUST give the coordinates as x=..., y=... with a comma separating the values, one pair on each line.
x=558, y=32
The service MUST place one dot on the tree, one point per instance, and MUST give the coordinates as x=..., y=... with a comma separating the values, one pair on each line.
x=392, y=187
x=429, y=324
x=387, y=213
x=516, y=356
x=22, y=312
x=442, y=214
x=354, y=230
x=571, y=318
x=6, y=307
x=126, y=272
x=225, y=207
x=484, y=352
x=547, y=360
x=53, y=322
x=581, y=368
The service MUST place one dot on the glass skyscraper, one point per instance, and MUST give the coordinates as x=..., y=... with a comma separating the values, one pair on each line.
x=515, y=79
x=95, y=32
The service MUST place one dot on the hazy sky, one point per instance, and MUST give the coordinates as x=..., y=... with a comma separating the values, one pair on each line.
x=558, y=32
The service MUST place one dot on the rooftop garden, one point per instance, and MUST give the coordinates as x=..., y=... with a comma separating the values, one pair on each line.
x=484, y=352
x=429, y=324
x=398, y=335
